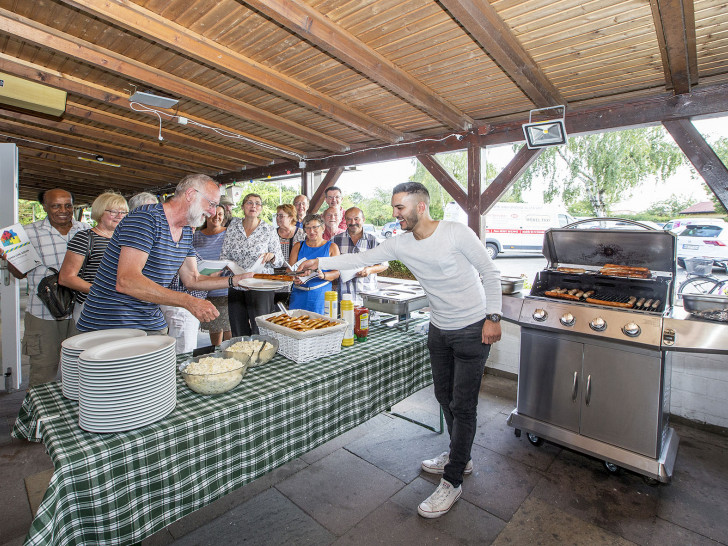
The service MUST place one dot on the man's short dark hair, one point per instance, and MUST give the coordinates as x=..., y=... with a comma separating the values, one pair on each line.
x=41, y=195
x=332, y=188
x=413, y=188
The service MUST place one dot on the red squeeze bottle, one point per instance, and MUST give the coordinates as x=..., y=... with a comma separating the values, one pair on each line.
x=361, y=323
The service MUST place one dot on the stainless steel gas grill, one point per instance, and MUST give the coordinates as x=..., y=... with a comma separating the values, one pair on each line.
x=594, y=374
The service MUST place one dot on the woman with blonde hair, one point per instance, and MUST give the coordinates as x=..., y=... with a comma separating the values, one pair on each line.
x=87, y=247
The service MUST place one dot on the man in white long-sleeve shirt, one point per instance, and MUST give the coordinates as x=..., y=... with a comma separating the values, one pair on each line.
x=464, y=291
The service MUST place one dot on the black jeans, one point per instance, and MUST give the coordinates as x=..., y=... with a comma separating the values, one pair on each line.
x=244, y=306
x=458, y=362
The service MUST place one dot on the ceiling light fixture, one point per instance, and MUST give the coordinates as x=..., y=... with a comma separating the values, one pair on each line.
x=98, y=159
x=550, y=132
x=150, y=99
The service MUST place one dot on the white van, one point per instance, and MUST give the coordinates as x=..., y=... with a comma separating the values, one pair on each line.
x=515, y=227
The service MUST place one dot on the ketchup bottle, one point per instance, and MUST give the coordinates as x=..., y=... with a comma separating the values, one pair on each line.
x=361, y=323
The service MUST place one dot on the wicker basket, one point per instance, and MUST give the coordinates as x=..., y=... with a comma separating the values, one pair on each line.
x=303, y=346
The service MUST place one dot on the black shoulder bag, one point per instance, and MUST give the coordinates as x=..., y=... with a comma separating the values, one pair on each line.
x=57, y=298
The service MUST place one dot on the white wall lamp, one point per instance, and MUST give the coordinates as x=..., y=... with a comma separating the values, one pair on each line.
x=550, y=132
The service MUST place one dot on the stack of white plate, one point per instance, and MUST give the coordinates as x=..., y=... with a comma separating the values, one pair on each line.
x=74, y=346
x=127, y=384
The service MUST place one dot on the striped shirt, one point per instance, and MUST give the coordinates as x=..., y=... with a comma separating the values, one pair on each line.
x=79, y=245
x=358, y=284
x=51, y=246
x=146, y=229
x=208, y=247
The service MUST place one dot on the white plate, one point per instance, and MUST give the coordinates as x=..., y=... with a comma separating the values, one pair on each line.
x=263, y=284
x=95, y=425
x=115, y=389
x=141, y=405
x=123, y=349
x=84, y=341
x=125, y=365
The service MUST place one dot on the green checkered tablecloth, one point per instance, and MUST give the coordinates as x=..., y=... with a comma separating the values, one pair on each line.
x=119, y=488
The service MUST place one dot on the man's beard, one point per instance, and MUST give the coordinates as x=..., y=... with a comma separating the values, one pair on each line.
x=196, y=214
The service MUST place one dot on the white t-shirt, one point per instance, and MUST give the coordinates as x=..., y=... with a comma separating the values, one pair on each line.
x=448, y=264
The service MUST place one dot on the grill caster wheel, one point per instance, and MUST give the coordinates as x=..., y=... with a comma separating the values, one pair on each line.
x=535, y=440
x=612, y=468
x=517, y=432
x=652, y=482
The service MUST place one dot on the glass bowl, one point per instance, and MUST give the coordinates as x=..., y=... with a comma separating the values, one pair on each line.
x=265, y=354
x=213, y=382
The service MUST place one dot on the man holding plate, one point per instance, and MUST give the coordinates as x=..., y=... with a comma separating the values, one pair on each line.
x=147, y=249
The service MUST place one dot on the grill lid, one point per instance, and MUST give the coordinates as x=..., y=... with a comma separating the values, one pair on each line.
x=652, y=249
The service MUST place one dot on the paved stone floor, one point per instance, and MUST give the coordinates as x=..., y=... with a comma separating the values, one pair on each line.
x=364, y=486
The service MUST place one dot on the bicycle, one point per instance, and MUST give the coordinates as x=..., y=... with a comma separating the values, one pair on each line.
x=697, y=283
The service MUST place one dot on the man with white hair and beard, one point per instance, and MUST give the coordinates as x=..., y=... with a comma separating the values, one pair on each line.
x=147, y=249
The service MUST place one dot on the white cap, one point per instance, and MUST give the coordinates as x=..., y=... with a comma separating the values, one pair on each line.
x=346, y=297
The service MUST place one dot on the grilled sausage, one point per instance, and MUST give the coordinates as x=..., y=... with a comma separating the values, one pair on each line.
x=561, y=295
x=611, y=303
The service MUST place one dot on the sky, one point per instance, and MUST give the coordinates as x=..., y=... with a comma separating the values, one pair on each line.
x=387, y=174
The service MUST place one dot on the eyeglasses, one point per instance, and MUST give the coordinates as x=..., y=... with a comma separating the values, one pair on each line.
x=117, y=212
x=56, y=206
x=308, y=228
x=282, y=216
x=213, y=204
x=254, y=203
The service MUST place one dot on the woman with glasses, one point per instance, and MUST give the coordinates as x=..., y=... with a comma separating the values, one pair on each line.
x=247, y=240
x=86, y=249
x=288, y=234
x=310, y=296
x=208, y=244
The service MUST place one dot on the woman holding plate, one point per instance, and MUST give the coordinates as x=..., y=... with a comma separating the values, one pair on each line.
x=310, y=296
x=247, y=241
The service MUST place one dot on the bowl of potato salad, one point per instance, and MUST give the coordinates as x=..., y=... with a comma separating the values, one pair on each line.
x=256, y=349
x=213, y=373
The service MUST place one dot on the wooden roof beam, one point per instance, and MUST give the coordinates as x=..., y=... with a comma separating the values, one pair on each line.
x=178, y=38
x=439, y=173
x=68, y=126
x=59, y=80
x=702, y=156
x=484, y=24
x=675, y=27
x=702, y=101
x=300, y=18
x=507, y=177
x=47, y=37
x=153, y=164
x=170, y=135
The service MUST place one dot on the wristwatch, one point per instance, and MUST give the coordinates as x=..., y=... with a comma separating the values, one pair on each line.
x=494, y=317
x=230, y=282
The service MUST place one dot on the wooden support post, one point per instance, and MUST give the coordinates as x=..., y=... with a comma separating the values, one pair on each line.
x=443, y=177
x=473, y=202
x=701, y=155
x=329, y=180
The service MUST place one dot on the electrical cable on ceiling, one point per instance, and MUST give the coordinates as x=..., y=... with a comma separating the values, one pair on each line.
x=396, y=145
x=51, y=145
x=139, y=107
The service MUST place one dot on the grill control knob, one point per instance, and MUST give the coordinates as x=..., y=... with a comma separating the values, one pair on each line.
x=631, y=329
x=567, y=319
x=540, y=315
x=598, y=324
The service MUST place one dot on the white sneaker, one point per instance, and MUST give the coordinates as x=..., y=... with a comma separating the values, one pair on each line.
x=437, y=465
x=439, y=503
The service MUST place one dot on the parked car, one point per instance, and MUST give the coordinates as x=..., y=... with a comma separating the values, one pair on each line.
x=703, y=240
x=390, y=228
x=369, y=228
x=679, y=224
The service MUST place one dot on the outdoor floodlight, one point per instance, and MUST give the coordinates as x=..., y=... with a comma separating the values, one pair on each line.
x=551, y=132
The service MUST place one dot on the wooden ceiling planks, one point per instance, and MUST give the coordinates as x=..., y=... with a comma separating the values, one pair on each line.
x=407, y=69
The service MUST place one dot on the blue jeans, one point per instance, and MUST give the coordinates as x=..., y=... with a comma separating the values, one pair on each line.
x=458, y=362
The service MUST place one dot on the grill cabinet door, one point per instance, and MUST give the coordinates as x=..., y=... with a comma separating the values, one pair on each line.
x=546, y=379
x=624, y=399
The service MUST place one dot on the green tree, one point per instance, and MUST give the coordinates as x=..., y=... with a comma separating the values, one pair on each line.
x=599, y=170
x=721, y=149
x=30, y=211
x=456, y=163
x=669, y=208
x=272, y=194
